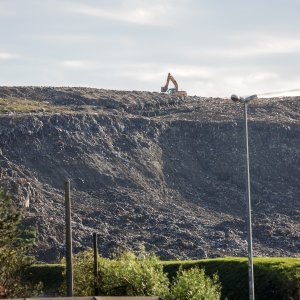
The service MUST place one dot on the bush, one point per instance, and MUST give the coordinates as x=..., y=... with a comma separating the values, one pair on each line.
x=130, y=274
x=82, y=274
x=274, y=278
x=133, y=275
x=13, y=265
x=50, y=275
x=193, y=284
x=127, y=274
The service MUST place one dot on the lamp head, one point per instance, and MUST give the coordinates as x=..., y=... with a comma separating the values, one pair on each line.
x=248, y=99
x=235, y=98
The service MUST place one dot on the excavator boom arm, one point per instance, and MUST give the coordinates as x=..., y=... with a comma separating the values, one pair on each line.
x=170, y=77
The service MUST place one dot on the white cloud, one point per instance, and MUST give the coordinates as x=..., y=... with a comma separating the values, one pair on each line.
x=67, y=38
x=4, y=10
x=260, y=49
x=61, y=38
x=9, y=56
x=156, y=72
x=154, y=13
x=250, y=79
x=261, y=46
x=78, y=64
x=200, y=72
x=246, y=46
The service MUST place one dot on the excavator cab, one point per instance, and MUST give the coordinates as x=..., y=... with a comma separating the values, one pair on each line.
x=172, y=91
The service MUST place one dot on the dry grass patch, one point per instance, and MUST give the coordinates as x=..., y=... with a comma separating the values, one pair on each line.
x=26, y=105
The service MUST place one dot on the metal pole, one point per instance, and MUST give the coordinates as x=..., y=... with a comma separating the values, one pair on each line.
x=69, y=264
x=95, y=244
x=250, y=249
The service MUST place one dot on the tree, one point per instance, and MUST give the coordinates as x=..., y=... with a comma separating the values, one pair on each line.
x=9, y=220
x=13, y=259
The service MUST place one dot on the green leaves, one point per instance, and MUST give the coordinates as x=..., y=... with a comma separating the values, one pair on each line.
x=9, y=220
x=133, y=275
x=127, y=274
x=193, y=284
x=13, y=260
x=130, y=274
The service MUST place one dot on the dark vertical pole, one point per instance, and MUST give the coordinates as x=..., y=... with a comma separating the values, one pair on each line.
x=249, y=224
x=95, y=244
x=68, y=240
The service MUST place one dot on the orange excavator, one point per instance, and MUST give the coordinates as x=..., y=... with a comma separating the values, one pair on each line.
x=172, y=91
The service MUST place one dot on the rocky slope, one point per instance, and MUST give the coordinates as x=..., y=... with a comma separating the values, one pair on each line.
x=151, y=169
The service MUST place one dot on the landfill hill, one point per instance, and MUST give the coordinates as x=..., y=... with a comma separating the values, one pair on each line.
x=152, y=169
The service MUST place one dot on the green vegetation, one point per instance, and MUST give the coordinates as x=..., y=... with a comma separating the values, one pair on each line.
x=25, y=105
x=127, y=274
x=13, y=246
x=130, y=274
x=193, y=284
x=50, y=275
x=275, y=278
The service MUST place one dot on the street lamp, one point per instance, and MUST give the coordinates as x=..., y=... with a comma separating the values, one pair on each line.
x=245, y=101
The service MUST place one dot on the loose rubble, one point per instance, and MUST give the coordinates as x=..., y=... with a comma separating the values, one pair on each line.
x=150, y=169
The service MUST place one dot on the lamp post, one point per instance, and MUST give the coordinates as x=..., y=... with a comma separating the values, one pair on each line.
x=245, y=101
x=69, y=249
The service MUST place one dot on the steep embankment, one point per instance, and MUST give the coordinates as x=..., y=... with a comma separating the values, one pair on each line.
x=146, y=168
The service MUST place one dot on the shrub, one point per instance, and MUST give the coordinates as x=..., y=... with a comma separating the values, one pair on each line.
x=274, y=278
x=127, y=274
x=82, y=274
x=50, y=275
x=193, y=284
x=133, y=275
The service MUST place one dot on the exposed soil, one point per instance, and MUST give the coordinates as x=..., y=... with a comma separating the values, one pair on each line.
x=147, y=168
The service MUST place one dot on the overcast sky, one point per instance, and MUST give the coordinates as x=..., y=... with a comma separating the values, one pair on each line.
x=212, y=47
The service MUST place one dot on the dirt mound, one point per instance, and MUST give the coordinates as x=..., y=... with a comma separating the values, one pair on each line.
x=148, y=168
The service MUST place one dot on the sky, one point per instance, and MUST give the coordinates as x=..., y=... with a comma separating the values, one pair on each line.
x=213, y=48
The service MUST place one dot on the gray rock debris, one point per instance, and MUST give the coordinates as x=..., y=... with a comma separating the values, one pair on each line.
x=149, y=169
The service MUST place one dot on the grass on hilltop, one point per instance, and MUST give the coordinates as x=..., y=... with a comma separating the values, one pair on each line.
x=26, y=105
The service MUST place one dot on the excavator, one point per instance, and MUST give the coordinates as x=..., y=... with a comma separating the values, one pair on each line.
x=172, y=91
